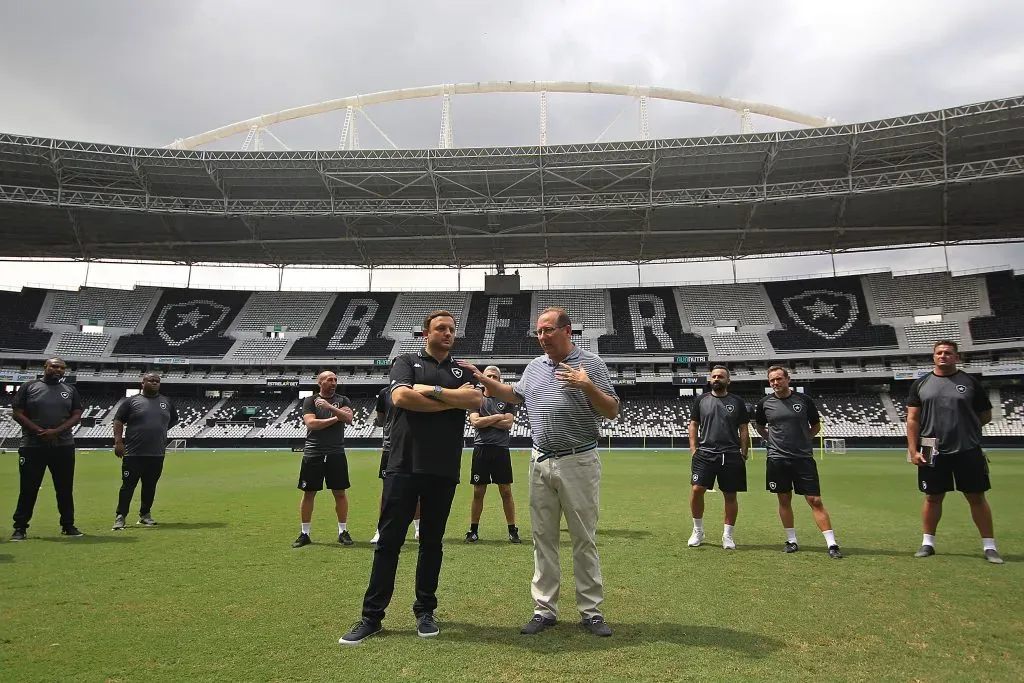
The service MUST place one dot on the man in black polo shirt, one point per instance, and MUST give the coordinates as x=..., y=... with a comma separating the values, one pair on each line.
x=47, y=409
x=147, y=416
x=492, y=462
x=325, y=414
x=950, y=407
x=720, y=420
x=788, y=422
x=430, y=393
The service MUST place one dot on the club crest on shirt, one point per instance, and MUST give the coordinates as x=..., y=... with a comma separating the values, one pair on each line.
x=730, y=407
x=961, y=388
x=187, y=321
x=65, y=394
x=457, y=372
x=797, y=407
x=476, y=478
x=501, y=406
x=163, y=406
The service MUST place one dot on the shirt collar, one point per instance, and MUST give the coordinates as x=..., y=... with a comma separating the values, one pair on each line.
x=426, y=356
x=573, y=355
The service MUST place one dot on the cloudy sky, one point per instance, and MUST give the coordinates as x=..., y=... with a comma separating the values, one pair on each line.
x=145, y=73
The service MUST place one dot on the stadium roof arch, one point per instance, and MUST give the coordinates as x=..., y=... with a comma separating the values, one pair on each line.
x=949, y=176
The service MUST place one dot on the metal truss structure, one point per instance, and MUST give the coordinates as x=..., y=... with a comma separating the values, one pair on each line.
x=939, y=177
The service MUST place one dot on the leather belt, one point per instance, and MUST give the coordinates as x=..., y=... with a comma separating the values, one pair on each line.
x=544, y=455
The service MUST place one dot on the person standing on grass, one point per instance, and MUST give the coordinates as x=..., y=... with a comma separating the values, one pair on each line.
x=147, y=416
x=788, y=422
x=719, y=443
x=380, y=419
x=567, y=393
x=492, y=462
x=47, y=409
x=430, y=395
x=951, y=407
x=323, y=455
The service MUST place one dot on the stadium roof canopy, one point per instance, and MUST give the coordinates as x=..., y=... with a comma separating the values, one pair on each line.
x=946, y=176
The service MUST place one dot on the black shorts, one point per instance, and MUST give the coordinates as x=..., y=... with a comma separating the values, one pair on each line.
x=317, y=469
x=491, y=465
x=782, y=475
x=966, y=471
x=730, y=471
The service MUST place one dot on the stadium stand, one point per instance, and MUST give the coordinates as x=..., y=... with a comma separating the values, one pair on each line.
x=191, y=411
x=902, y=297
x=237, y=408
x=587, y=308
x=499, y=326
x=922, y=336
x=18, y=313
x=116, y=308
x=263, y=350
x=77, y=344
x=855, y=415
x=738, y=344
x=186, y=322
x=647, y=418
x=411, y=308
x=646, y=320
x=745, y=303
x=298, y=311
x=353, y=327
x=830, y=313
x=1006, y=297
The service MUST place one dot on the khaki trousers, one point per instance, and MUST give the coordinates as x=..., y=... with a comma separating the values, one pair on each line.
x=570, y=486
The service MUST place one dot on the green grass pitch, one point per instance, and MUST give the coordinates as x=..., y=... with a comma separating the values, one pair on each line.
x=217, y=593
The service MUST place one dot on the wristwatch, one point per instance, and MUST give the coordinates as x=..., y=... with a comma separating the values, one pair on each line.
x=437, y=390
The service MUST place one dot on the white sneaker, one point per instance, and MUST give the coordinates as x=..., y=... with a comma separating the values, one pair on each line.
x=728, y=543
x=696, y=538
x=375, y=539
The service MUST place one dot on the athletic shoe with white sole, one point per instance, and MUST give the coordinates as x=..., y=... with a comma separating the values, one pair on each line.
x=696, y=538
x=728, y=543
x=360, y=631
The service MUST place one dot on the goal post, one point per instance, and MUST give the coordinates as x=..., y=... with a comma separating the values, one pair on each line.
x=177, y=444
x=833, y=447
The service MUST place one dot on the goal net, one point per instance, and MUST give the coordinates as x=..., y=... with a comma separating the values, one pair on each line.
x=177, y=445
x=835, y=446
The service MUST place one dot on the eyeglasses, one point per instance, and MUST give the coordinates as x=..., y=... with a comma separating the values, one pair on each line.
x=545, y=331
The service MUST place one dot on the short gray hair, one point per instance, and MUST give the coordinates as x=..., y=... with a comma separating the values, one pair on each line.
x=493, y=367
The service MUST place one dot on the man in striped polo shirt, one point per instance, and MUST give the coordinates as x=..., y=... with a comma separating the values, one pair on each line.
x=567, y=392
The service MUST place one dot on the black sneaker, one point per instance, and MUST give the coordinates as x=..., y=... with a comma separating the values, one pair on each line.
x=118, y=523
x=993, y=556
x=537, y=624
x=302, y=540
x=472, y=537
x=71, y=531
x=345, y=538
x=597, y=626
x=147, y=520
x=513, y=536
x=18, y=535
x=790, y=547
x=360, y=631
x=833, y=552
x=426, y=626
x=925, y=551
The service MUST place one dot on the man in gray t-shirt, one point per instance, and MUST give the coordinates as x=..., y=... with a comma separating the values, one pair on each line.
x=47, y=409
x=719, y=441
x=492, y=462
x=788, y=421
x=146, y=416
x=948, y=407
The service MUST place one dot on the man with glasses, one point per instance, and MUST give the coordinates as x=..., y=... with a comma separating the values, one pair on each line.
x=492, y=462
x=567, y=393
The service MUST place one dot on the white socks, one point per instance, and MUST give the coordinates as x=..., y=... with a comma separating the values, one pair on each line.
x=728, y=530
x=790, y=535
x=929, y=539
x=988, y=544
x=416, y=525
x=698, y=525
x=830, y=538
x=305, y=527
x=342, y=526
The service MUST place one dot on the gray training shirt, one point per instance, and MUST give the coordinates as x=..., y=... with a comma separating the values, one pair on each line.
x=493, y=436
x=327, y=441
x=719, y=420
x=48, y=405
x=789, y=421
x=146, y=421
x=949, y=410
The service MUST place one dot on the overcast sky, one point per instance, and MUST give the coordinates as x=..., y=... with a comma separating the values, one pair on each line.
x=145, y=73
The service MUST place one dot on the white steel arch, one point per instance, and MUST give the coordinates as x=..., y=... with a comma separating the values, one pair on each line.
x=446, y=90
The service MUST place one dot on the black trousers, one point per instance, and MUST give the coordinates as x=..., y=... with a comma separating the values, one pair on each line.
x=32, y=464
x=134, y=468
x=401, y=493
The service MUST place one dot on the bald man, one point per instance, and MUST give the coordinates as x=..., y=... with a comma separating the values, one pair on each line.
x=325, y=414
